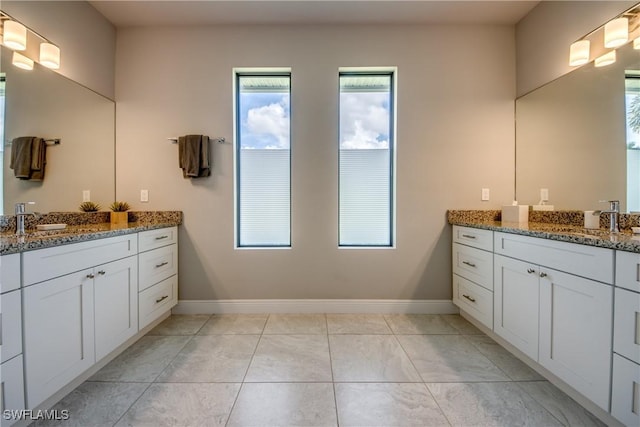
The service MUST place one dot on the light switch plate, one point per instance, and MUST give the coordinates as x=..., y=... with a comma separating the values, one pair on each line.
x=144, y=195
x=86, y=195
x=485, y=194
x=544, y=194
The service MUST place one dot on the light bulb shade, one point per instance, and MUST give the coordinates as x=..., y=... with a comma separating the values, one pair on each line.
x=15, y=35
x=616, y=32
x=636, y=43
x=50, y=55
x=606, y=59
x=579, y=53
x=21, y=61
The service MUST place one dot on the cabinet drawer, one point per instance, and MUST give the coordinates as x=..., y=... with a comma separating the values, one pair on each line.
x=473, y=299
x=153, y=239
x=11, y=343
x=585, y=261
x=625, y=399
x=473, y=264
x=12, y=387
x=157, y=300
x=628, y=270
x=44, y=264
x=9, y=272
x=476, y=237
x=157, y=265
x=626, y=324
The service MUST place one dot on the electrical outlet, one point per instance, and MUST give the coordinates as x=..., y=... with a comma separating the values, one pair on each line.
x=144, y=195
x=544, y=194
x=485, y=194
x=86, y=195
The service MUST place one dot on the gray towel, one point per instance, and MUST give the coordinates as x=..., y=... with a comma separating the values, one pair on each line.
x=38, y=159
x=193, y=156
x=21, y=156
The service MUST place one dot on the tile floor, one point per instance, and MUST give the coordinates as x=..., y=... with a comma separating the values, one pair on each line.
x=318, y=370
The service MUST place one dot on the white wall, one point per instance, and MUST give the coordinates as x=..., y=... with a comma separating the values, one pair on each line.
x=85, y=37
x=456, y=86
x=543, y=37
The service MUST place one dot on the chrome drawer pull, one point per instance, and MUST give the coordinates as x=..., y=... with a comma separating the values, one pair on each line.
x=468, y=236
x=162, y=264
x=91, y=276
x=162, y=298
x=162, y=237
x=470, y=264
x=469, y=298
x=543, y=274
x=530, y=270
x=102, y=272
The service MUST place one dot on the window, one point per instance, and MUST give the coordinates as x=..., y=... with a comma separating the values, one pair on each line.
x=263, y=161
x=632, y=98
x=366, y=159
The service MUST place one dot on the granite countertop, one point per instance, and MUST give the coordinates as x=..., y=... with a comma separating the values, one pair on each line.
x=10, y=243
x=564, y=232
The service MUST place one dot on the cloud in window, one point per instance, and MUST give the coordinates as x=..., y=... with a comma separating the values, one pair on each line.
x=364, y=120
x=268, y=125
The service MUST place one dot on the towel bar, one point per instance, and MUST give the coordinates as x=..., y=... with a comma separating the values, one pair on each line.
x=220, y=140
x=50, y=141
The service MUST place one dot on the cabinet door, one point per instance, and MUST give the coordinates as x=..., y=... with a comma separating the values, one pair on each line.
x=625, y=397
x=58, y=333
x=11, y=389
x=11, y=338
x=575, y=332
x=515, y=303
x=116, y=304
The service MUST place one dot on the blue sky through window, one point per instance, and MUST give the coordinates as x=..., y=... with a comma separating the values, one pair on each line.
x=264, y=120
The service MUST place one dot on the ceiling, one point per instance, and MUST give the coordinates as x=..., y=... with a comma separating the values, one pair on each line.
x=209, y=12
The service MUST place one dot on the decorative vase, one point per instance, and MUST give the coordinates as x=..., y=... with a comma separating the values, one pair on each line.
x=119, y=218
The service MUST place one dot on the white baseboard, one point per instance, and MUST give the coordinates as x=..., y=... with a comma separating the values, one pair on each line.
x=314, y=306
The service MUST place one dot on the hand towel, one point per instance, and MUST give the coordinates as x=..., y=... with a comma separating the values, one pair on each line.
x=193, y=156
x=21, y=156
x=38, y=159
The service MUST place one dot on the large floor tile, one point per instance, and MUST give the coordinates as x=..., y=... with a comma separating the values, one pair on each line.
x=419, y=324
x=290, y=358
x=212, y=358
x=490, y=404
x=296, y=324
x=285, y=404
x=372, y=358
x=561, y=406
x=461, y=324
x=368, y=324
x=387, y=404
x=516, y=369
x=449, y=358
x=96, y=404
x=143, y=361
x=249, y=324
x=180, y=324
x=191, y=405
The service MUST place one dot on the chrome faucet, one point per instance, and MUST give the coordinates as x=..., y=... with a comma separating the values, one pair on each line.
x=614, y=212
x=20, y=214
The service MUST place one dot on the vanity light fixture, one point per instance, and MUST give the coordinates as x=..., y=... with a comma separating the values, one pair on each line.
x=616, y=32
x=49, y=55
x=606, y=59
x=21, y=61
x=579, y=53
x=15, y=35
x=636, y=43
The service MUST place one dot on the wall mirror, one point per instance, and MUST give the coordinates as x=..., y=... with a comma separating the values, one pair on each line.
x=579, y=137
x=46, y=104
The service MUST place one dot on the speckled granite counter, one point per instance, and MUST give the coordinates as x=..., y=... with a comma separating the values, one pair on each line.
x=564, y=226
x=81, y=227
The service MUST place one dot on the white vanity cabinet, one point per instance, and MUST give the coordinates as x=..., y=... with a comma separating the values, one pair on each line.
x=625, y=398
x=11, y=370
x=158, y=280
x=516, y=302
x=79, y=309
x=472, y=257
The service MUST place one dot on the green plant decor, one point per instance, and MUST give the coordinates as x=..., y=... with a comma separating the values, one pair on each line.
x=119, y=206
x=89, y=207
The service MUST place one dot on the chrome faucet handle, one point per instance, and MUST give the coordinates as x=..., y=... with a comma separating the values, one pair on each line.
x=614, y=205
x=21, y=207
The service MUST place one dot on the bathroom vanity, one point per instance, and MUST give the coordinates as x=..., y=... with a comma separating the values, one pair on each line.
x=78, y=298
x=558, y=297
